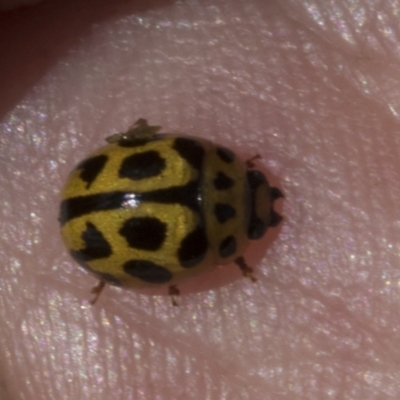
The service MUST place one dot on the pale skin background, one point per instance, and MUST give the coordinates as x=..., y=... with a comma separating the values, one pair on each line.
x=313, y=87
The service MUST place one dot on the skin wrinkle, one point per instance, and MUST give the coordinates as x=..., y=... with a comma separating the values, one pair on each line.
x=305, y=85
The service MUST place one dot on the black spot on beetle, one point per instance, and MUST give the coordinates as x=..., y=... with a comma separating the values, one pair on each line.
x=91, y=168
x=144, y=233
x=256, y=228
x=227, y=247
x=224, y=212
x=142, y=165
x=225, y=154
x=193, y=248
x=188, y=195
x=147, y=271
x=96, y=246
x=275, y=193
x=223, y=181
x=75, y=207
x=255, y=178
x=191, y=150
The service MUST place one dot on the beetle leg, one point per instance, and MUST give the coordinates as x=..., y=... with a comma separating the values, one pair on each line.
x=246, y=270
x=249, y=163
x=97, y=290
x=174, y=292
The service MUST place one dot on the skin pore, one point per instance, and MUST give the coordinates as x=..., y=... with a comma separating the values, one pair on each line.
x=310, y=86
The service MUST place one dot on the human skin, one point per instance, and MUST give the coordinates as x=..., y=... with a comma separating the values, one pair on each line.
x=311, y=86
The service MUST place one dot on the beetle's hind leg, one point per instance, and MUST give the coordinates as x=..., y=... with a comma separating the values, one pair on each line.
x=174, y=293
x=97, y=290
x=246, y=270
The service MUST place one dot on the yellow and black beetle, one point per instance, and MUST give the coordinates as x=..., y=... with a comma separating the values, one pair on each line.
x=150, y=209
